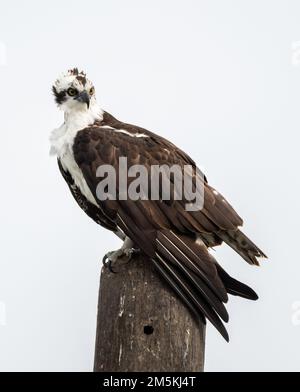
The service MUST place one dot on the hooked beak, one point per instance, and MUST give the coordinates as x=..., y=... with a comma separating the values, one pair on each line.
x=84, y=98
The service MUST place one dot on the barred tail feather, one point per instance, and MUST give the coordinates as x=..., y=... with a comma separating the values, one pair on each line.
x=238, y=241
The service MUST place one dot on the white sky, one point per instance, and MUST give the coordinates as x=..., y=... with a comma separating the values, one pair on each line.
x=221, y=80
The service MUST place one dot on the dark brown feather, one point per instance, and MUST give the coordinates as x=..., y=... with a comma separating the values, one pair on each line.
x=176, y=240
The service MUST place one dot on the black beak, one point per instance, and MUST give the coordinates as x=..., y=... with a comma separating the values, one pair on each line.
x=84, y=98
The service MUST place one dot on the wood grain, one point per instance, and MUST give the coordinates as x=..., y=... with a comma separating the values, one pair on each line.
x=142, y=325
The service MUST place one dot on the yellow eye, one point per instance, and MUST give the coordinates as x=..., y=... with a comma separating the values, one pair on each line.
x=72, y=92
x=92, y=90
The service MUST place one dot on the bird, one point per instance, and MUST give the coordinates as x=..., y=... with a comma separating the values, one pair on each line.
x=177, y=241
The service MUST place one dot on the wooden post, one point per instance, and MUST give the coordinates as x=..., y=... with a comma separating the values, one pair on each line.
x=142, y=326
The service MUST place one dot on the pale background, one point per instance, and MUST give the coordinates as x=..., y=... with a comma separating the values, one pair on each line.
x=221, y=79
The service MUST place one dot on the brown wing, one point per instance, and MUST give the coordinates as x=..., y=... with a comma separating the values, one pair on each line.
x=176, y=240
x=90, y=209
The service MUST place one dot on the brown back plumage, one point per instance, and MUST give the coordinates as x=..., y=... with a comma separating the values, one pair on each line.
x=176, y=240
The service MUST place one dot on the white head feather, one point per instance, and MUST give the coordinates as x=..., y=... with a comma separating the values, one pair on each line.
x=75, y=81
x=80, y=108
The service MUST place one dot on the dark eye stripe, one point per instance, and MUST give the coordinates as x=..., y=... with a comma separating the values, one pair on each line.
x=60, y=97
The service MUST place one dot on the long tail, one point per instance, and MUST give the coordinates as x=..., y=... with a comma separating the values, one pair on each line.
x=197, y=278
x=234, y=287
x=238, y=241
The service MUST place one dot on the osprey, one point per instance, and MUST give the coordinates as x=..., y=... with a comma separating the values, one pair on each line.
x=175, y=240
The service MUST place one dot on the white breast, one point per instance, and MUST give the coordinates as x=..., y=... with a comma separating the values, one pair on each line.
x=62, y=140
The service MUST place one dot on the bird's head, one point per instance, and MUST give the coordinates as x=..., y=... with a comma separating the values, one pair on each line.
x=73, y=91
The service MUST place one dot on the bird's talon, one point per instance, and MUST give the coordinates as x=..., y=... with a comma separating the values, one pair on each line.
x=110, y=268
x=112, y=258
x=107, y=262
x=104, y=260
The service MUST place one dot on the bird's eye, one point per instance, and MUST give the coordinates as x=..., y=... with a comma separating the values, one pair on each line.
x=92, y=90
x=72, y=92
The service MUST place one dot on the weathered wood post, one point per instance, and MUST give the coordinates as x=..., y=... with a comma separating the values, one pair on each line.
x=142, y=325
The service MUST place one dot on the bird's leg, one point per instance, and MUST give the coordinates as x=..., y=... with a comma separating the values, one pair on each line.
x=125, y=252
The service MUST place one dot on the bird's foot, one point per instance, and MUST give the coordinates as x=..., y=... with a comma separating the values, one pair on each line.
x=112, y=258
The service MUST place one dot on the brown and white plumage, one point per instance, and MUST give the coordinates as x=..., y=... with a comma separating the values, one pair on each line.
x=175, y=240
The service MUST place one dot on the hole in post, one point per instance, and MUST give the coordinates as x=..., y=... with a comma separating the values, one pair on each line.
x=148, y=330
